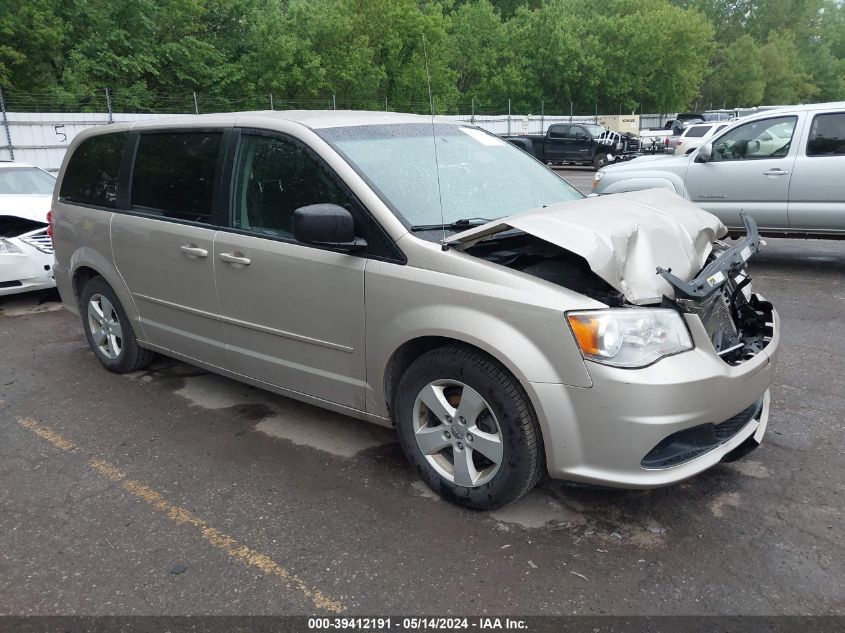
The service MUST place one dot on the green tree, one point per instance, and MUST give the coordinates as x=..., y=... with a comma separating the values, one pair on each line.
x=786, y=78
x=737, y=78
x=32, y=39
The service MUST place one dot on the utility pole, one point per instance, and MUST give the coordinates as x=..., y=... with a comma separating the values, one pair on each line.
x=108, y=106
x=472, y=116
x=271, y=101
x=6, y=125
x=334, y=103
x=196, y=103
x=509, y=117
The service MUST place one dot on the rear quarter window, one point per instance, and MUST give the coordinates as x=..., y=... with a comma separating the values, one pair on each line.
x=174, y=174
x=827, y=135
x=697, y=130
x=92, y=173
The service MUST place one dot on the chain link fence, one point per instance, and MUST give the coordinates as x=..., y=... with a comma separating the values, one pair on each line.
x=38, y=126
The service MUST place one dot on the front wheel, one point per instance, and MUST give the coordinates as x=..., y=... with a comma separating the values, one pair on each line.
x=466, y=426
x=599, y=161
x=109, y=331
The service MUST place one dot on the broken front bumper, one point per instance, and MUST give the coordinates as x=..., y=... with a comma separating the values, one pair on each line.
x=603, y=434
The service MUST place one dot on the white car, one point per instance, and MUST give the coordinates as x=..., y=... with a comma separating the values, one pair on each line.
x=697, y=135
x=26, y=248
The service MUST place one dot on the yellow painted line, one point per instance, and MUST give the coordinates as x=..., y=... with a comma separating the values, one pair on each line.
x=181, y=516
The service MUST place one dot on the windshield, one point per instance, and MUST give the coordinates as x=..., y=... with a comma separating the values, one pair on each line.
x=25, y=180
x=595, y=130
x=480, y=175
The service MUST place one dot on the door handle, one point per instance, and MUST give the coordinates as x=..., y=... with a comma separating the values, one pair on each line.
x=777, y=171
x=192, y=250
x=234, y=258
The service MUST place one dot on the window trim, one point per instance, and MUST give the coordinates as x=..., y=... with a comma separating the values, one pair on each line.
x=810, y=131
x=795, y=129
x=396, y=257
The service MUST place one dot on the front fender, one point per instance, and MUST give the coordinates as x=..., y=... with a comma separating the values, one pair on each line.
x=638, y=184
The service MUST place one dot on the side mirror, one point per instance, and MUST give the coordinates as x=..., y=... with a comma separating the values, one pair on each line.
x=705, y=153
x=580, y=136
x=328, y=225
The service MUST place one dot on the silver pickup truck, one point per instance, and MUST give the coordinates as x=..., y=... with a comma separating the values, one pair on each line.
x=785, y=168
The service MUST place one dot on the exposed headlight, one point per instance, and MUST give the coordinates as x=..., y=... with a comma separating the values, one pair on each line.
x=629, y=337
x=598, y=175
x=7, y=248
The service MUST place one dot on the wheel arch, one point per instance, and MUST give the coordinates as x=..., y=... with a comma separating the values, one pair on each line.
x=412, y=349
x=88, y=263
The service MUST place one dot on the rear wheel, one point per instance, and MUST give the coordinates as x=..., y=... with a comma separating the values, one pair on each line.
x=466, y=426
x=109, y=331
x=599, y=161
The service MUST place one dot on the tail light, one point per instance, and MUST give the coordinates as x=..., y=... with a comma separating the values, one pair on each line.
x=50, y=224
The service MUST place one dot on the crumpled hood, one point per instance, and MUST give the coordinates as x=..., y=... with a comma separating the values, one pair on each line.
x=27, y=206
x=624, y=237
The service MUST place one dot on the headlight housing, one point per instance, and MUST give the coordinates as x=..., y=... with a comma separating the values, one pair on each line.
x=629, y=337
x=7, y=248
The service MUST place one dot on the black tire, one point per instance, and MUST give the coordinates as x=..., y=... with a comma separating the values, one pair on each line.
x=599, y=161
x=131, y=357
x=522, y=462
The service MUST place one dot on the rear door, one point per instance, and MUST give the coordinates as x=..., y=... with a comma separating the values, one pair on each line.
x=750, y=171
x=163, y=246
x=555, y=143
x=293, y=313
x=817, y=191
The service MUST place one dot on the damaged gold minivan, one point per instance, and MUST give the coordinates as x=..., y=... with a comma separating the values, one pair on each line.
x=426, y=275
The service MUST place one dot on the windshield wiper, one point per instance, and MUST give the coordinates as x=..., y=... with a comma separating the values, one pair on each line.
x=463, y=223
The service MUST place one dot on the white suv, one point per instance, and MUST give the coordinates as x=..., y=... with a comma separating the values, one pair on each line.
x=697, y=135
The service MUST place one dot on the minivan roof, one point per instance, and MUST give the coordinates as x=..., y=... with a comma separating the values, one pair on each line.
x=314, y=119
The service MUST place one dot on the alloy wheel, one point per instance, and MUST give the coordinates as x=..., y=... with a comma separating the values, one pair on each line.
x=104, y=324
x=457, y=432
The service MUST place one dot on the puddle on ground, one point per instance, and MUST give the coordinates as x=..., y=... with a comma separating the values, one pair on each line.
x=538, y=510
x=722, y=501
x=288, y=419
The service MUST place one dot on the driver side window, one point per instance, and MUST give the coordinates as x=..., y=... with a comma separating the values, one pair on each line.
x=769, y=138
x=274, y=178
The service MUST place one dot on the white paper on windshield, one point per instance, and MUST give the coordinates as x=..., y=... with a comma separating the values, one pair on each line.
x=482, y=137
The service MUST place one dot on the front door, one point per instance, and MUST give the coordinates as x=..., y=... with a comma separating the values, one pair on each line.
x=163, y=249
x=578, y=145
x=293, y=314
x=749, y=171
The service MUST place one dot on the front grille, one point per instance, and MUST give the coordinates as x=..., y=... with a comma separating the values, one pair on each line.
x=39, y=240
x=688, y=444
